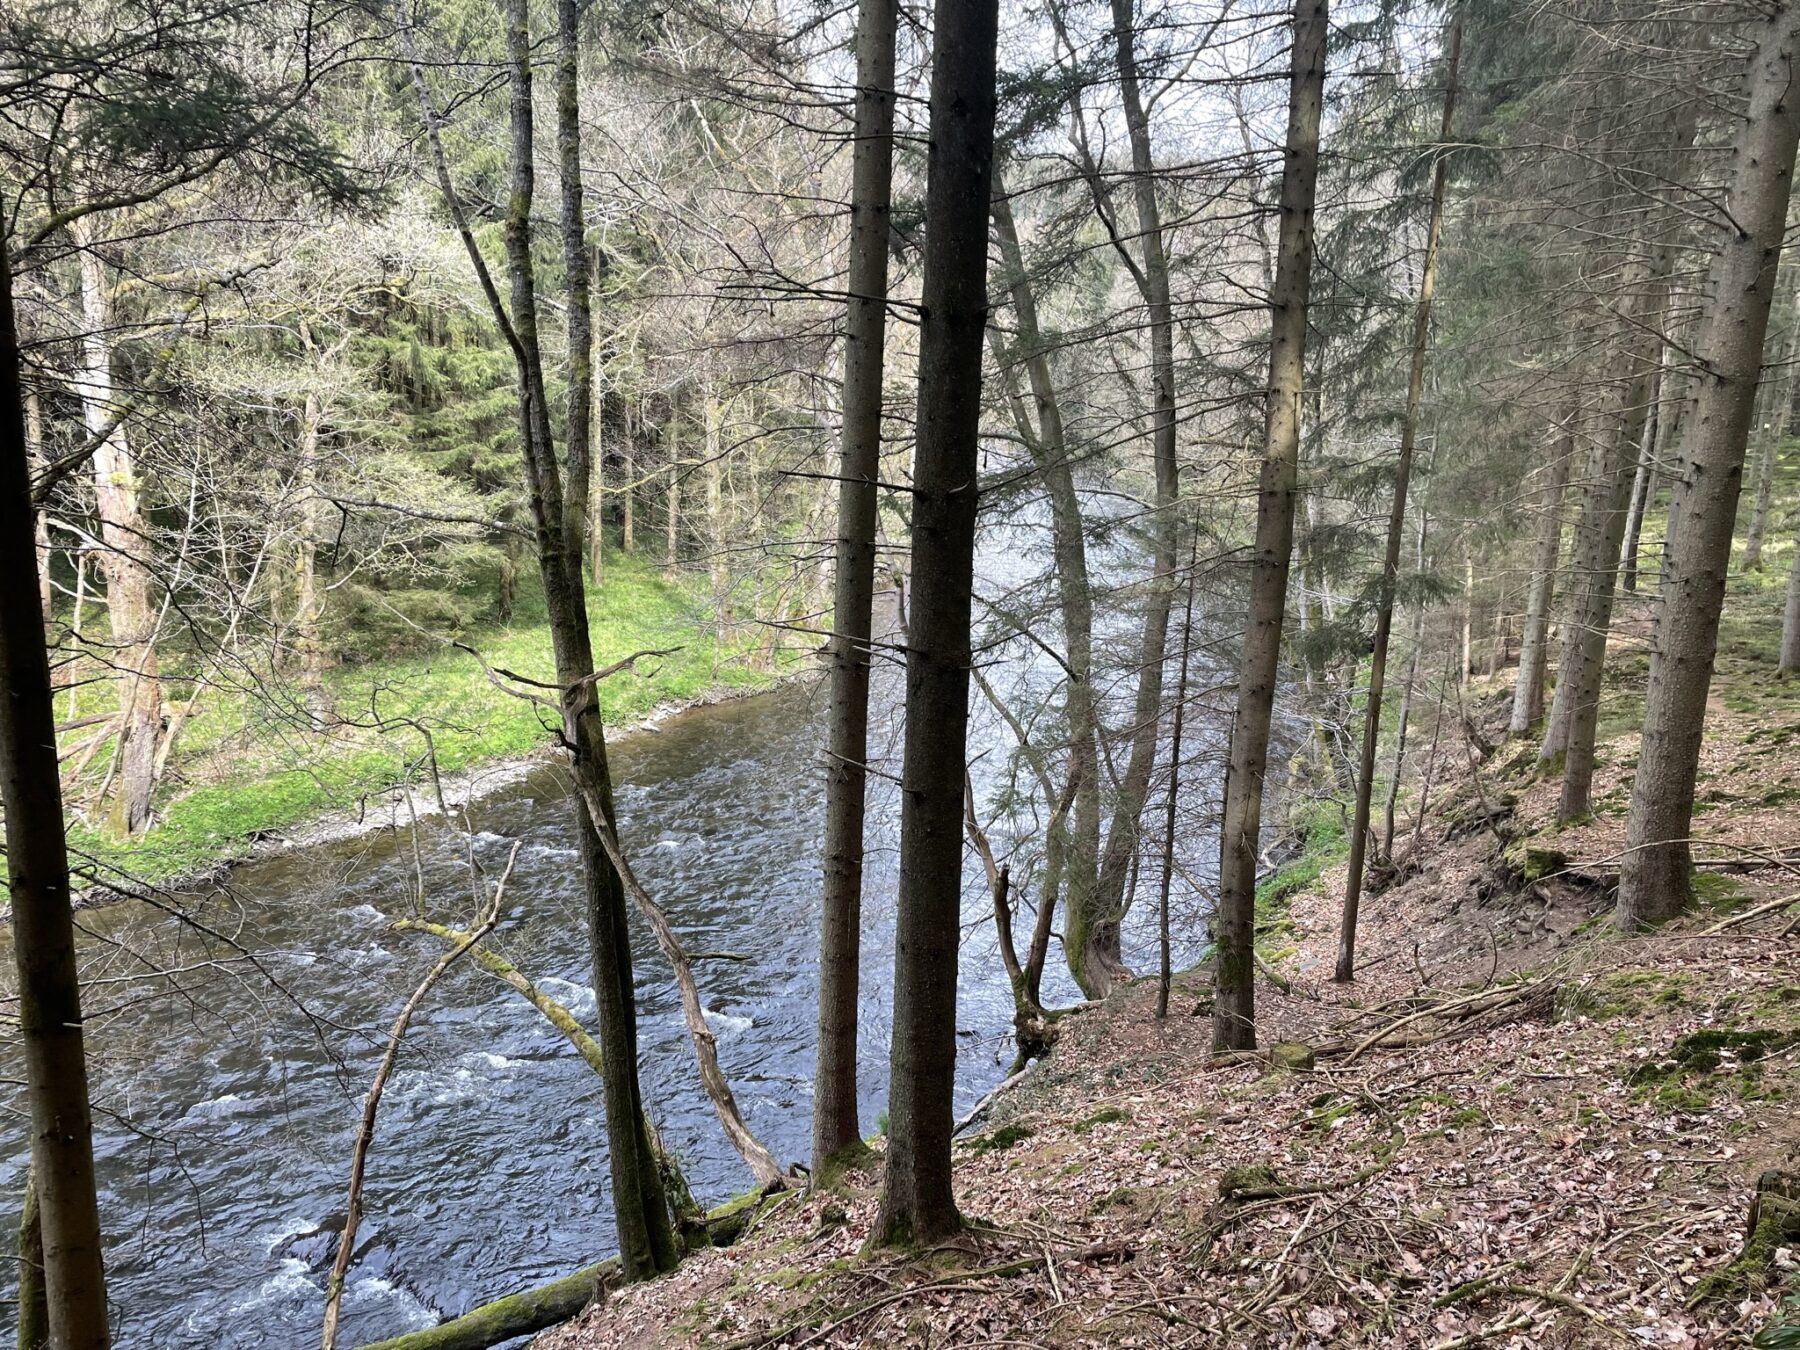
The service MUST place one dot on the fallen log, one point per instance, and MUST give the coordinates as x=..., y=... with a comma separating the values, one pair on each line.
x=560, y=1300
x=520, y=1314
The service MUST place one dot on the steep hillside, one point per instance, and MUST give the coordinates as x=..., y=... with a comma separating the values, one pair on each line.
x=1516, y=1128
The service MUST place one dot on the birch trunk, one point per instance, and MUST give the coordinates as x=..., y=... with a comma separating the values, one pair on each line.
x=125, y=557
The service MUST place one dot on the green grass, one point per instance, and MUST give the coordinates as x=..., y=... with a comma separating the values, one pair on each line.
x=242, y=768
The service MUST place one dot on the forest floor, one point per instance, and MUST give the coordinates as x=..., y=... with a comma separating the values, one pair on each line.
x=1516, y=1128
x=252, y=773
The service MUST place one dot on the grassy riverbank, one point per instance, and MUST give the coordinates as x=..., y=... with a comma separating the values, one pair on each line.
x=249, y=765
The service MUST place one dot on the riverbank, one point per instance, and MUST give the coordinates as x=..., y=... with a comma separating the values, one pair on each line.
x=1517, y=1127
x=415, y=734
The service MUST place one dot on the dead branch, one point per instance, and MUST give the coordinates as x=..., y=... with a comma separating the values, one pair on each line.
x=1750, y=915
x=756, y=1156
x=365, y=1130
x=1104, y=1251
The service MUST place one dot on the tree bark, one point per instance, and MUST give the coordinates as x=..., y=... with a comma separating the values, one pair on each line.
x=646, y=1237
x=1096, y=960
x=672, y=495
x=125, y=557
x=34, y=1308
x=1165, y=967
x=1774, y=432
x=579, y=465
x=1396, y=532
x=1789, y=661
x=1654, y=882
x=1534, y=638
x=917, y=1202
x=1079, y=846
x=1584, y=655
x=1643, y=487
x=1234, y=1002
x=308, y=608
x=834, y=1122
x=34, y=456
x=49, y=989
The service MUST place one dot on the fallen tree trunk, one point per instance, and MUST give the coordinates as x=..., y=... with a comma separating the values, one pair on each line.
x=520, y=1314
x=560, y=1300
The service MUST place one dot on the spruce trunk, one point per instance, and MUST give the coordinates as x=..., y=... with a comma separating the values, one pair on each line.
x=1534, y=638
x=1234, y=1003
x=49, y=998
x=1390, y=566
x=1654, y=881
x=917, y=1202
x=834, y=1124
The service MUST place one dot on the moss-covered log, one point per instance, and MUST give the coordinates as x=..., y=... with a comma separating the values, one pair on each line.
x=519, y=1314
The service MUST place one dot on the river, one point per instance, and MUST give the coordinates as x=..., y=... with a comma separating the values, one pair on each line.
x=228, y=1104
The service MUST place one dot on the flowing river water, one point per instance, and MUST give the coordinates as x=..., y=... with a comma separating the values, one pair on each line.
x=227, y=1109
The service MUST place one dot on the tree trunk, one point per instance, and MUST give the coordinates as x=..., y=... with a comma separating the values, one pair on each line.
x=672, y=495
x=917, y=1202
x=1643, y=486
x=507, y=1319
x=1584, y=654
x=1468, y=613
x=125, y=558
x=1534, y=636
x=1774, y=432
x=1402, y=725
x=1654, y=882
x=1048, y=446
x=580, y=463
x=34, y=1308
x=1396, y=532
x=1165, y=968
x=49, y=988
x=1789, y=661
x=714, y=453
x=1100, y=961
x=34, y=456
x=646, y=1238
x=834, y=1122
x=308, y=608
x=627, y=495
x=1234, y=1003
